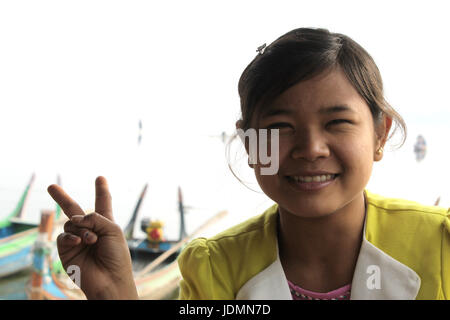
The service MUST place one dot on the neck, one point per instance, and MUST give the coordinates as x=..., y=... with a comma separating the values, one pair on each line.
x=327, y=245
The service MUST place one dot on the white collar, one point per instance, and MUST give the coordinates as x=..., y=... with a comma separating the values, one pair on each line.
x=396, y=280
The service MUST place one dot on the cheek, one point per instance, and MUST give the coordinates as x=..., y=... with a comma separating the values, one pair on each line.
x=270, y=185
x=356, y=157
x=281, y=150
x=284, y=149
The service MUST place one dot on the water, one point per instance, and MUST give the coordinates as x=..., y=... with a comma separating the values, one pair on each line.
x=13, y=286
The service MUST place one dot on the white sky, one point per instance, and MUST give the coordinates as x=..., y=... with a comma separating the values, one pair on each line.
x=76, y=77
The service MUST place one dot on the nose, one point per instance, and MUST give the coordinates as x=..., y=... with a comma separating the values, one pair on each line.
x=310, y=146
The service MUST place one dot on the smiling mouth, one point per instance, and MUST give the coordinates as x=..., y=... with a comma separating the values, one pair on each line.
x=313, y=179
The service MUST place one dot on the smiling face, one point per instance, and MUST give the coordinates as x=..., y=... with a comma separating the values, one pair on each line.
x=326, y=132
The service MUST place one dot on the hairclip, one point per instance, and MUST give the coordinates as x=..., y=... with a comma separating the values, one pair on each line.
x=261, y=49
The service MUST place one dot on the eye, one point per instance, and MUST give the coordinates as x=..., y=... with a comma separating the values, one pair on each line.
x=279, y=125
x=339, y=121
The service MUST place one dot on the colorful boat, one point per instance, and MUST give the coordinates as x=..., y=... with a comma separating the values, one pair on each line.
x=17, y=237
x=156, y=271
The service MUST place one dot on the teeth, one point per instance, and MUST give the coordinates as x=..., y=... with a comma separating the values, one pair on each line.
x=320, y=178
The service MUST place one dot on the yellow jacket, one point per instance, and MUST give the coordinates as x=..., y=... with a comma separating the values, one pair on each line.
x=405, y=254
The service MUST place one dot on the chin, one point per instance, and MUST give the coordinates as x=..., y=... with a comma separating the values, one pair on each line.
x=308, y=210
x=311, y=214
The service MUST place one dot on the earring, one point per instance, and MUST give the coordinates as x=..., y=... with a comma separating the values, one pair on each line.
x=380, y=151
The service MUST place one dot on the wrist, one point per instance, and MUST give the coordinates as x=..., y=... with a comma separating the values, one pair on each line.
x=126, y=291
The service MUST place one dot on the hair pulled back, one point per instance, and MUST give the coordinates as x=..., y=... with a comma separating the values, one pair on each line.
x=302, y=54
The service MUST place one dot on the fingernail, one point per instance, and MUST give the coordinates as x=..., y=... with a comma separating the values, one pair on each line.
x=88, y=236
x=72, y=237
x=76, y=219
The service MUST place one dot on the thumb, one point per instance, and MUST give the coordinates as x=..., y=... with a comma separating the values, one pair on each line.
x=97, y=224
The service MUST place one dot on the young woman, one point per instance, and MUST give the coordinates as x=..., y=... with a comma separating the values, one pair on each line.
x=326, y=237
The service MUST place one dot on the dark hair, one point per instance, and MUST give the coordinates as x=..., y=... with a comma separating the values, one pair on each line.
x=302, y=54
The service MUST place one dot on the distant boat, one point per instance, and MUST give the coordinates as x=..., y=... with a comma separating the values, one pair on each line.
x=223, y=136
x=420, y=148
x=436, y=203
x=140, y=132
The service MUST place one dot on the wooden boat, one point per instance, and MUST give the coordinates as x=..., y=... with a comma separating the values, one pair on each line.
x=143, y=250
x=155, y=267
x=17, y=237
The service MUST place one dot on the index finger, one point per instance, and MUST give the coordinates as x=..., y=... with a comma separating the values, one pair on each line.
x=69, y=206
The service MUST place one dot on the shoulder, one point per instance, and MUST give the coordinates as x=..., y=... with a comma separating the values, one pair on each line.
x=406, y=217
x=407, y=214
x=216, y=267
x=255, y=227
x=417, y=235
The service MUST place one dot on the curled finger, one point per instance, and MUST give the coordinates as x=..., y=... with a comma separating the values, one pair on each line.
x=85, y=234
x=67, y=240
x=97, y=223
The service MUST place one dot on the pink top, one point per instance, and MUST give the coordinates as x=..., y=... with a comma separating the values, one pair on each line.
x=298, y=293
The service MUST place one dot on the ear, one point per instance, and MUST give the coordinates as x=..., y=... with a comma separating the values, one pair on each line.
x=382, y=132
x=239, y=124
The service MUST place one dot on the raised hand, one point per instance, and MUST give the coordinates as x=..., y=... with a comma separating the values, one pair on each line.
x=96, y=245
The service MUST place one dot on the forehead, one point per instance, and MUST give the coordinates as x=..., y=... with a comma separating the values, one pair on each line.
x=326, y=93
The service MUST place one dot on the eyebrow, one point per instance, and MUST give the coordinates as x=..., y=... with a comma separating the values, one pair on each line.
x=323, y=110
x=336, y=109
x=275, y=112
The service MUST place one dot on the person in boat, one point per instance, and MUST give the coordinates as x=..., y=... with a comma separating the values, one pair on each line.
x=420, y=148
x=326, y=236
